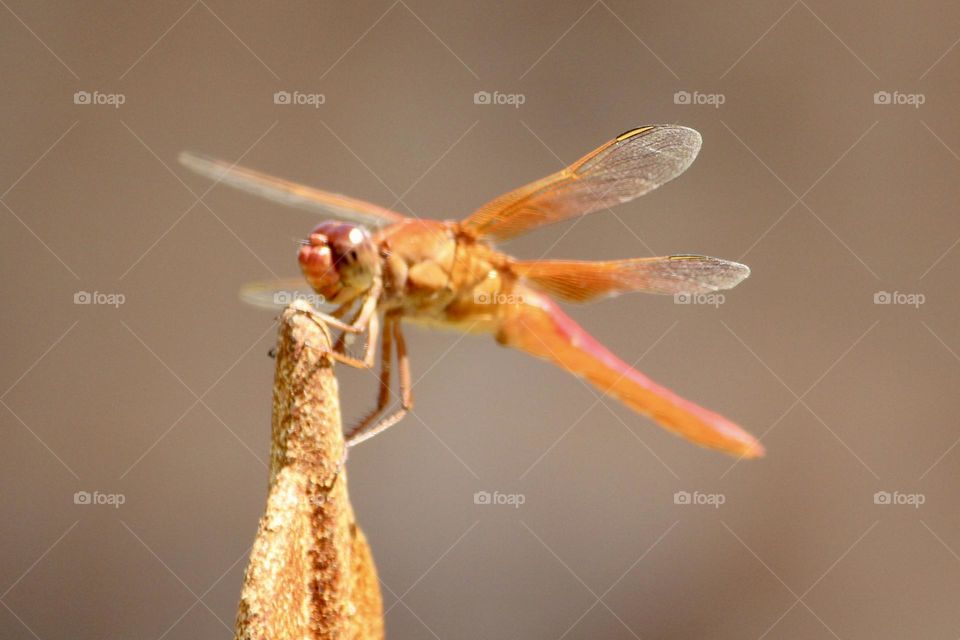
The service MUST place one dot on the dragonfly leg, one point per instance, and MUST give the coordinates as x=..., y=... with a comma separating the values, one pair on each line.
x=365, y=320
x=364, y=431
x=386, y=368
x=369, y=352
x=367, y=311
x=336, y=323
x=336, y=313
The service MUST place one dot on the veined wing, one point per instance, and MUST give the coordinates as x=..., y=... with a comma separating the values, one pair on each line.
x=537, y=326
x=580, y=281
x=290, y=193
x=628, y=166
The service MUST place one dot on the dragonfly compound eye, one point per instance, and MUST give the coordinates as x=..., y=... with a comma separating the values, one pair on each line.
x=317, y=264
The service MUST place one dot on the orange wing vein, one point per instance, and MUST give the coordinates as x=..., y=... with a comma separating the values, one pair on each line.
x=628, y=166
x=579, y=281
x=290, y=193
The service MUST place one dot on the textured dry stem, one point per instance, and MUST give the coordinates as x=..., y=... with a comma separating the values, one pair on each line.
x=311, y=575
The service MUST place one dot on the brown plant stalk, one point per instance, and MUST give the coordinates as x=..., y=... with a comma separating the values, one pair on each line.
x=311, y=575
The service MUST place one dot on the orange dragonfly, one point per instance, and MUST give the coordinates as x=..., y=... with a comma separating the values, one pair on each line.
x=373, y=262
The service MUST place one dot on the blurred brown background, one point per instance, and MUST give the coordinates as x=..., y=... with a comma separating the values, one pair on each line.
x=832, y=196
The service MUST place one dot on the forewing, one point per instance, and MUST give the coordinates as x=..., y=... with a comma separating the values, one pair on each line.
x=628, y=166
x=537, y=326
x=290, y=193
x=579, y=281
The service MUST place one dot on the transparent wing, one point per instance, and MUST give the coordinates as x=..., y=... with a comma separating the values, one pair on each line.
x=277, y=294
x=290, y=193
x=628, y=166
x=579, y=281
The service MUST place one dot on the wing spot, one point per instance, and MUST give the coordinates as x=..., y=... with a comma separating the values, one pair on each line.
x=632, y=132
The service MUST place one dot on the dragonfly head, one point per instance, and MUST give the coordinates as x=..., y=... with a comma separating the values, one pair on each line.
x=339, y=258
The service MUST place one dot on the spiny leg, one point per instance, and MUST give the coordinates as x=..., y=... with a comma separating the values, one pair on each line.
x=364, y=321
x=406, y=393
x=386, y=366
x=369, y=351
x=336, y=313
x=336, y=323
x=367, y=311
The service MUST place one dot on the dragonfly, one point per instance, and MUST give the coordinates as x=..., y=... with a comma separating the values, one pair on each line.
x=381, y=269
